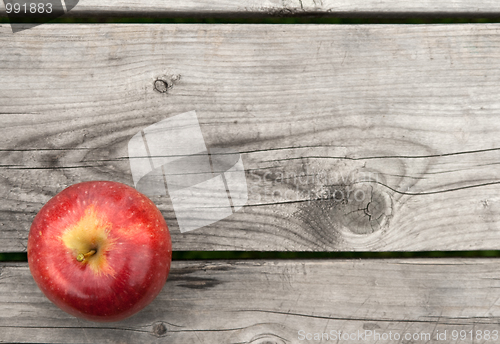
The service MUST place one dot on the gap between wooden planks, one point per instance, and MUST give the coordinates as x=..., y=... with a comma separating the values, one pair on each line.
x=240, y=301
x=362, y=137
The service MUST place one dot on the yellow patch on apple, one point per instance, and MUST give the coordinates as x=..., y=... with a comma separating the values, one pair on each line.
x=89, y=240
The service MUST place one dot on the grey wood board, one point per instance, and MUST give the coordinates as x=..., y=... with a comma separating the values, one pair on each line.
x=356, y=138
x=278, y=302
x=279, y=8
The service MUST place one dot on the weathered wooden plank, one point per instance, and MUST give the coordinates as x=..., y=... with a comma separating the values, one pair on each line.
x=266, y=8
x=366, y=138
x=240, y=301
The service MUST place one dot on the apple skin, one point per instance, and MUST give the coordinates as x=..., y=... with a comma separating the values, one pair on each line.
x=132, y=244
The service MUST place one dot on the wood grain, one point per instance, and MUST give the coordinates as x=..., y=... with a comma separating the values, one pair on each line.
x=273, y=8
x=365, y=138
x=241, y=301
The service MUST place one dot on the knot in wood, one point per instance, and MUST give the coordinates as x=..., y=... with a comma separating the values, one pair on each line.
x=161, y=86
x=165, y=82
x=159, y=329
x=360, y=207
x=365, y=209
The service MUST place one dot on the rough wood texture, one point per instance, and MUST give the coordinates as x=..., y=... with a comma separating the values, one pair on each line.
x=353, y=137
x=266, y=8
x=240, y=301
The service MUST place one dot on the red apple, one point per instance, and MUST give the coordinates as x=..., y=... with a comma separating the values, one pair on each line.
x=100, y=250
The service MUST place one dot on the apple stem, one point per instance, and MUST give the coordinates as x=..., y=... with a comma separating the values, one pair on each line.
x=81, y=257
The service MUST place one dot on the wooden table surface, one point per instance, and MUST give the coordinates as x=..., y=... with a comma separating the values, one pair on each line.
x=283, y=8
x=402, y=120
x=327, y=119
x=273, y=301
